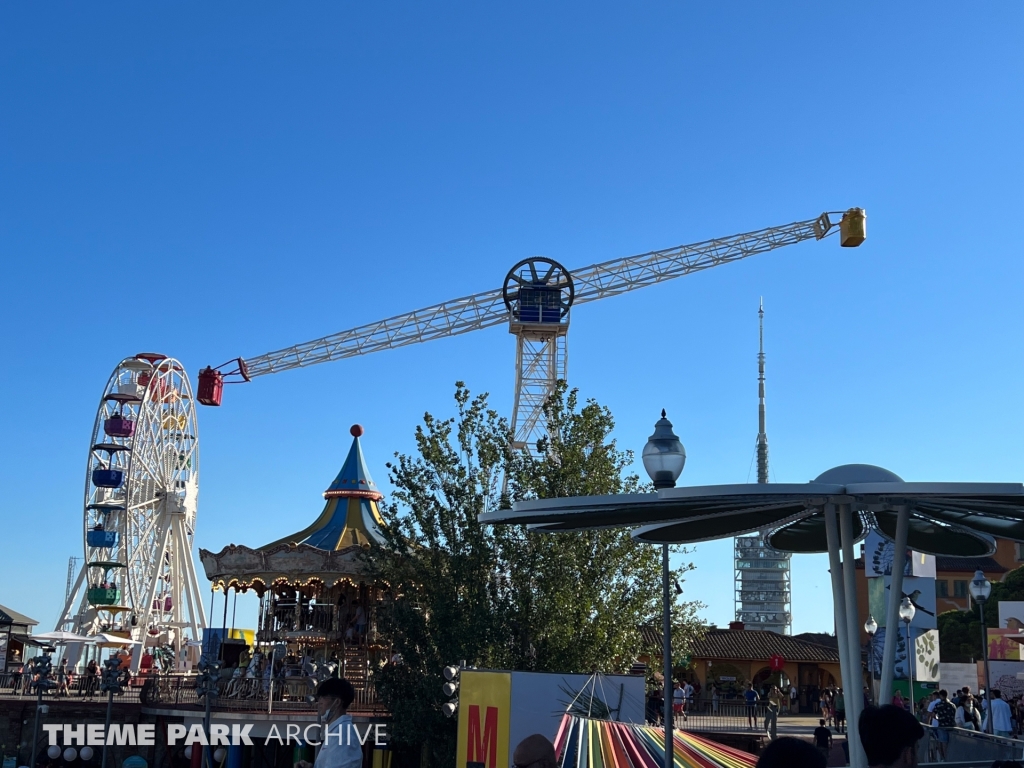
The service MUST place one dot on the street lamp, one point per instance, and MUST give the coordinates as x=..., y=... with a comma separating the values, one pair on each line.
x=664, y=458
x=907, y=611
x=871, y=627
x=980, y=591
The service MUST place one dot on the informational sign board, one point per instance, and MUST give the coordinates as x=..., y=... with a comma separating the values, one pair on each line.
x=485, y=708
x=540, y=699
x=1001, y=647
x=920, y=590
x=926, y=661
x=1011, y=615
x=953, y=677
x=878, y=556
x=1005, y=677
x=497, y=710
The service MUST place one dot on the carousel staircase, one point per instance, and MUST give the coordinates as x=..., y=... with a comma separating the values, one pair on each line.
x=355, y=665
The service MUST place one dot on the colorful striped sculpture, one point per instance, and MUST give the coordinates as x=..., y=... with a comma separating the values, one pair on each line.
x=585, y=743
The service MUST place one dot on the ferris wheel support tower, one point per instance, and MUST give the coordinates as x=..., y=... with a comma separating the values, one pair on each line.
x=535, y=302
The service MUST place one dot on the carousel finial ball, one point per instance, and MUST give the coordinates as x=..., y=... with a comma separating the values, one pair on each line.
x=356, y=430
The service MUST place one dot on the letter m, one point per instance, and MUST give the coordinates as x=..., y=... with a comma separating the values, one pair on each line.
x=482, y=739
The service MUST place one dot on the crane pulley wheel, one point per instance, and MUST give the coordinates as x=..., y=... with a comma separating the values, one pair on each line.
x=538, y=278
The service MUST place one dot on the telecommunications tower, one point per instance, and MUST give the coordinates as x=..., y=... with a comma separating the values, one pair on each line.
x=762, y=573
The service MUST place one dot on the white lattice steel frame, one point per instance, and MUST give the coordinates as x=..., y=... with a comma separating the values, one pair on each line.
x=541, y=360
x=482, y=310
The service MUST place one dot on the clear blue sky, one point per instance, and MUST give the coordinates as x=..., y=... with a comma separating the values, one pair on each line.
x=218, y=180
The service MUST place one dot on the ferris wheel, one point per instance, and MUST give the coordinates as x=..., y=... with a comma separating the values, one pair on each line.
x=141, y=492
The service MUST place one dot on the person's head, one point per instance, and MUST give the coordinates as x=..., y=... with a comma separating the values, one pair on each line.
x=333, y=697
x=534, y=751
x=750, y=686
x=821, y=722
x=943, y=694
x=787, y=752
x=996, y=693
x=889, y=735
x=968, y=702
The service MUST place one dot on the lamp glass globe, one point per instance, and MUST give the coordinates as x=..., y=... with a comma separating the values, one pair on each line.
x=980, y=587
x=907, y=610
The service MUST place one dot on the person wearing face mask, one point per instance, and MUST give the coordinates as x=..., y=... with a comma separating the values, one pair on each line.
x=340, y=744
x=967, y=715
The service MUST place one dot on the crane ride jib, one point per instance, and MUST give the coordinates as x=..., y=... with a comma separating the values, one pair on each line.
x=535, y=301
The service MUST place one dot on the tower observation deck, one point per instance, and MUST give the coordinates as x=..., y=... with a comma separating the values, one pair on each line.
x=762, y=573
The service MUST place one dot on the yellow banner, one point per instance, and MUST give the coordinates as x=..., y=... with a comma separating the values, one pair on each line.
x=485, y=704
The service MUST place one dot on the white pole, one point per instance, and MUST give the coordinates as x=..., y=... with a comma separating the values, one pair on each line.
x=853, y=690
x=839, y=601
x=892, y=611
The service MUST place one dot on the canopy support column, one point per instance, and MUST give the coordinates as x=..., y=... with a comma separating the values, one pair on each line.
x=892, y=610
x=839, y=604
x=853, y=689
x=666, y=650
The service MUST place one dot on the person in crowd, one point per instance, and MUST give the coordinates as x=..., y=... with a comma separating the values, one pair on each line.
x=839, y=704
x=944, y=715
x=716, y=698
x=652, y=706
x=63, y=678
x=794, y=696
x=678, y=698
x=750, y=699
x=534, y=751
x=889, y=736
x=999, y=711
x=92, y=672
x=771, y=715
x=898, y=700
x=823, y=739
x=824, y=705
x=687, y=697
x=340, y=748
x=788, y=752
x=967, y=715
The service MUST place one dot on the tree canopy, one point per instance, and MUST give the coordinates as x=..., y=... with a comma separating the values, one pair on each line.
x=960, y=631
x=497, y=596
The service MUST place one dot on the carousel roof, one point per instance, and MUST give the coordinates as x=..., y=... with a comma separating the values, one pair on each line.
x=957, y=519
x=350, y=517
x=328, y=550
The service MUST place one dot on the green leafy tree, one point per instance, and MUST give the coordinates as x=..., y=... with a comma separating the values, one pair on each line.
x=960, y=631
x=498, y=596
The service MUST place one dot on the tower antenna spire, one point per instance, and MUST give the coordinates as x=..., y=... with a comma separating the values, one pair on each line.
x=762, y=435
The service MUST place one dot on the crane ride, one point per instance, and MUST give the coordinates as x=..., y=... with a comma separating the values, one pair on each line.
x=138, y=581
x=535, y=301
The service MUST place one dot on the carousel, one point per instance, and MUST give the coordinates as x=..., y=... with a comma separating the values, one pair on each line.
x=318, y=599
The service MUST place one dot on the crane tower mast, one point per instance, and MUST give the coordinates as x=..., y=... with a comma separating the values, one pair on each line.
x=535, y=302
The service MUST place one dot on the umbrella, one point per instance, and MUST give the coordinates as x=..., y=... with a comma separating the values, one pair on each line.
x=60, y=637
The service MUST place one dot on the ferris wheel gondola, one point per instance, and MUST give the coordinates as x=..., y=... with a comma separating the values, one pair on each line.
x=141, y=493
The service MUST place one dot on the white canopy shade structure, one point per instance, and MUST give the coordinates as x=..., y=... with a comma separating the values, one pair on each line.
x=829, y=514
x=60, y=637
x=105, y=640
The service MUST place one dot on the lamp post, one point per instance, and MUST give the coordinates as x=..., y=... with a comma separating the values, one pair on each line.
x=38, y=670
x=907, y=611
x=980, y=590
x=871, y=627
x=664, y=458
x=110, y=683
